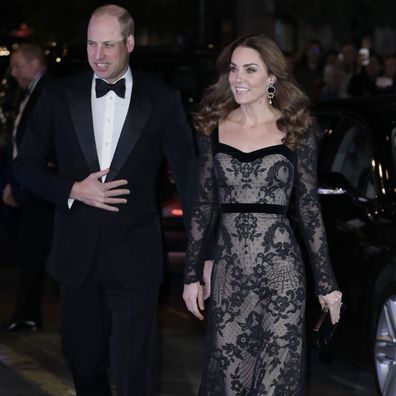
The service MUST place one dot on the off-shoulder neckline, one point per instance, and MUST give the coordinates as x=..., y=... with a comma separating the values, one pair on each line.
x=265, y=148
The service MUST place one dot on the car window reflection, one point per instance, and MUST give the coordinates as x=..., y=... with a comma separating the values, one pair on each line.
x=350, y=153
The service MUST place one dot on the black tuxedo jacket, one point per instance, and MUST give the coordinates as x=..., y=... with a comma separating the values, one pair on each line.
x=61, y=131
x=30, y=105
x=22, y=196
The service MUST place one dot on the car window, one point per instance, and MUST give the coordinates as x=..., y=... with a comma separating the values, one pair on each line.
x=349, y=151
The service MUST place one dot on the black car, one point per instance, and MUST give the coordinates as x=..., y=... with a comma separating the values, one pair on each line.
x=357, y=188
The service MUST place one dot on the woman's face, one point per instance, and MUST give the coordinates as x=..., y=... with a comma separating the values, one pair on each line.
x=248, y=76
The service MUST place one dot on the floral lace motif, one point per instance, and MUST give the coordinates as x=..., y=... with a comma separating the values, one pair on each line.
x=254, y=344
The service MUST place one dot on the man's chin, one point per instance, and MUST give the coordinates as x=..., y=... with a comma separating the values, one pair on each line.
x=104, y=74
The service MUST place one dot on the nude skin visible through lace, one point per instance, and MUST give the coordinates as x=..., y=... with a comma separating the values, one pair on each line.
x=254, y=344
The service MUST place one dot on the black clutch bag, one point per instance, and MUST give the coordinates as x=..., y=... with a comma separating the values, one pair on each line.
x=324, y=329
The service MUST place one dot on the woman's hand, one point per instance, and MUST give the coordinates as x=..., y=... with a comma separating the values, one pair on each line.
x=333, y=302
x=193, y=297
x=207, y=273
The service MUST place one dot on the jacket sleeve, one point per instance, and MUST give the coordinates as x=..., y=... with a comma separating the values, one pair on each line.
x=37, y=151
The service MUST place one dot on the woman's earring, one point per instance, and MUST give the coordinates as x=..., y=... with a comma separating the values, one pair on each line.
x=271, y=91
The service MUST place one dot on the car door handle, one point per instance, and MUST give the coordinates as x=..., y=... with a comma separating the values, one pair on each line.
x=331, y=191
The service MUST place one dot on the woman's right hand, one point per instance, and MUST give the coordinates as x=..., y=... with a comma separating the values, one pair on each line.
x=193, y=296
x=333, y=301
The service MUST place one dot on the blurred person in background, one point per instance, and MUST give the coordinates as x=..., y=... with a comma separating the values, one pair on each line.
x=333, y=74
x=386, y=82
x=309, y=71
x=348, y=58
x=34, y=215
x=363, y=81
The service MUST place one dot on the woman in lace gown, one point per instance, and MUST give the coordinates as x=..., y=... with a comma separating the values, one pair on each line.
x=257, y=148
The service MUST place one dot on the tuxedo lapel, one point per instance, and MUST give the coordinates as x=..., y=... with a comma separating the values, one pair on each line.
x=79, y=98
x=137, y=116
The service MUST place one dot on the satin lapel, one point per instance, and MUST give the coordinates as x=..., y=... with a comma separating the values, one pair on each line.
x=137, y=116
x=81, y=112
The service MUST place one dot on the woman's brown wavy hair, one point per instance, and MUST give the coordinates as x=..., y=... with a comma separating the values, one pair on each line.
x=218, y=100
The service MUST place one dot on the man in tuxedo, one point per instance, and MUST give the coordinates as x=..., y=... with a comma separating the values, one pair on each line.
x=107, y=131
x=34, y=215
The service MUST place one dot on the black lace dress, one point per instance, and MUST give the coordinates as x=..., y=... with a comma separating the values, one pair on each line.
x=254, y=344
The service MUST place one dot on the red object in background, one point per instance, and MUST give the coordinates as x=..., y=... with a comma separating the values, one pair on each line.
x=177, y=212
x=172, y=208
x=23, y=31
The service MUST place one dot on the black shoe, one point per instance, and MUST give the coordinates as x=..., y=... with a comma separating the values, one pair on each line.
x=30, y=325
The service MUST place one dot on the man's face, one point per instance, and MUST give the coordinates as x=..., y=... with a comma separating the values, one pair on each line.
x=23, y=69
x=349, y=55
x=108, y=53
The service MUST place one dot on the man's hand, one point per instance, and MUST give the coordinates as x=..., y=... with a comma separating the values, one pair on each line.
x=100, y=195
x=8, y=198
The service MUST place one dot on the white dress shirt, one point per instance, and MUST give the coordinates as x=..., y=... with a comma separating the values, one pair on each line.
x=108, y=114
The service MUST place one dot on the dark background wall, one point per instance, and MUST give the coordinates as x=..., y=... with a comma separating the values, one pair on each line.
x=202, y=22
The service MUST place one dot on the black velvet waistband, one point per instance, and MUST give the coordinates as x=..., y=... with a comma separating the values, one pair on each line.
x=253, y=208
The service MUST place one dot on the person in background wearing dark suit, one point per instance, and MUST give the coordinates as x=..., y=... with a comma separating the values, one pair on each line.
x=108, y=131
x=28, y=67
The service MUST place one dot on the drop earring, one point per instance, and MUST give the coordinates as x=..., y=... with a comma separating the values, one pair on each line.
x=271, y=91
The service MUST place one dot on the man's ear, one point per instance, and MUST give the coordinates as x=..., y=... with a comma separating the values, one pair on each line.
x=35, y=64
x=130, y=42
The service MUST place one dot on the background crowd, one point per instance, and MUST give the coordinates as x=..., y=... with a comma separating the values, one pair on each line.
x=352, y=71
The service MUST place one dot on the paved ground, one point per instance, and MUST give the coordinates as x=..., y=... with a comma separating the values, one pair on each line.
x=31, y=364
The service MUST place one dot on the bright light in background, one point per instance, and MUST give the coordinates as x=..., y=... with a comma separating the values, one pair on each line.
x=4, y=51
x=177, y=212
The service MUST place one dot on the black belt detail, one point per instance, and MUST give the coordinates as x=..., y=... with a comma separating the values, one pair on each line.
x=253, y=208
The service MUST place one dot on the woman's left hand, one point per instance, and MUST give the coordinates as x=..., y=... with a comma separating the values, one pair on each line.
x=207, y=274
x=333, y=302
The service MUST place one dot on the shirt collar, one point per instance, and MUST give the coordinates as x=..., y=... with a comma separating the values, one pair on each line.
x=34, y=82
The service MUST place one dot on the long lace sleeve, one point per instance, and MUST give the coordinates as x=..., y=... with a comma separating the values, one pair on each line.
x=202, y=224
x=310, y=217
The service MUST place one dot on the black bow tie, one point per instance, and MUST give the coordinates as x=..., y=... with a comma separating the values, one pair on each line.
x=102, y=87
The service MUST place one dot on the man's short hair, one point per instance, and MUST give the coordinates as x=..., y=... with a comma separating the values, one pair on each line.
x=127, y=25
x=31, y=52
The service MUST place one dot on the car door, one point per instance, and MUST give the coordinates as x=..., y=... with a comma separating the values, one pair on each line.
x=347, y=184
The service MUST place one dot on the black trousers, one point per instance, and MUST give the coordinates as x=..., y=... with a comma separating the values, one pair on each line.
x=33, y=244
x=102, y=323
